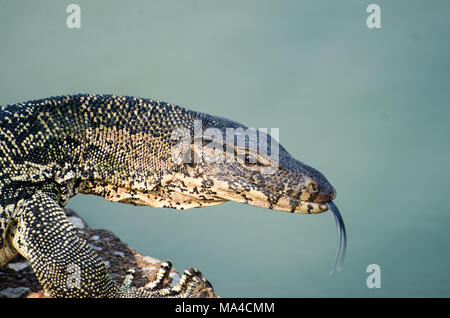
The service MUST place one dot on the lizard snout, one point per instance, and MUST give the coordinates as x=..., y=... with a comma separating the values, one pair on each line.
x=320, y=190
x=325, y=195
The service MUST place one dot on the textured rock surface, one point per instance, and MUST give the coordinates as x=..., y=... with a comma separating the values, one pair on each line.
x=18, y=280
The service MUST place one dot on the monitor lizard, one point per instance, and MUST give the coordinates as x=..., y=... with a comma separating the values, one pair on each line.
x=125, y=149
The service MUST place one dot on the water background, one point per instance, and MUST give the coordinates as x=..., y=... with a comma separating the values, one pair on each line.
x=368, y=108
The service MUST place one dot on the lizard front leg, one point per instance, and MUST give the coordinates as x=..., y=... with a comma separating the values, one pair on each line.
x=65, y=264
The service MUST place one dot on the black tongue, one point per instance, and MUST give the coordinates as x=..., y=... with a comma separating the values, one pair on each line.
x=342, y=238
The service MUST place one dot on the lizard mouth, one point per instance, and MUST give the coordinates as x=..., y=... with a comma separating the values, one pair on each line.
x=299, y=206
x=262, y=198
x=287, y=204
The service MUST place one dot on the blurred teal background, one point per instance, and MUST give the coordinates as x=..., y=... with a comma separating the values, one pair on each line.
x=368, y=108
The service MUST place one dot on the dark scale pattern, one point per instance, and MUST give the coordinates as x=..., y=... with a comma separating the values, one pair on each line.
x=120, y=147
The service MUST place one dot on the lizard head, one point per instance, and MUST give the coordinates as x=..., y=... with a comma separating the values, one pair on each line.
x=226, y=161
x=205, y=160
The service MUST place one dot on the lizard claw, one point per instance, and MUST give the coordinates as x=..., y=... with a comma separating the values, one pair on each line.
x=192, y=283
x=161, y=276
x=128, y=279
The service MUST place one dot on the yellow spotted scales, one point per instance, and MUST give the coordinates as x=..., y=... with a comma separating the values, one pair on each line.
x=122, y=148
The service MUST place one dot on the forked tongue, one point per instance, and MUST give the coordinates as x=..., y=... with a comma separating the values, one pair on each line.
x=342, y=238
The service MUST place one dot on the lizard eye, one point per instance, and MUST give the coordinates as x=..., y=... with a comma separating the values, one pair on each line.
x=250, y=160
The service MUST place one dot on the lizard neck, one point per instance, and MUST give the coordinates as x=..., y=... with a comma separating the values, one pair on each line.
x=127, y=145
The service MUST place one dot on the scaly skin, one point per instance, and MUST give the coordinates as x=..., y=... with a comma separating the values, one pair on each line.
x=122, y=148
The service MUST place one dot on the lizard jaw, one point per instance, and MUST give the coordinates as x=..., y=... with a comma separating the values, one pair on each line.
x=287, y=204
x=257, y=198
x=218, y=190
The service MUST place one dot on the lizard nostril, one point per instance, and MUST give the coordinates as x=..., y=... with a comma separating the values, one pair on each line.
x=333, y=194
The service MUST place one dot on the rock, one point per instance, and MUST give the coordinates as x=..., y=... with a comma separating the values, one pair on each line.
x=14, y=292
x=17, y=278
x=19, y=265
